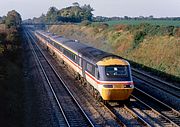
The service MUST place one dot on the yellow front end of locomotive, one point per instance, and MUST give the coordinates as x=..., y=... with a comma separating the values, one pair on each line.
x=116, y=93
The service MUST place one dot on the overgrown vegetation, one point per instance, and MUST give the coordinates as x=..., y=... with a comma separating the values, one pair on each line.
x=152, y=47
x=138, y=38
x=11, y=85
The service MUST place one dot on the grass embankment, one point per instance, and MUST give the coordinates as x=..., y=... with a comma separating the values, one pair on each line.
x=11, y=85
x=155, y=48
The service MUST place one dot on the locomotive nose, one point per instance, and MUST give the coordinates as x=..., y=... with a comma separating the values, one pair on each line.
x=116, y=93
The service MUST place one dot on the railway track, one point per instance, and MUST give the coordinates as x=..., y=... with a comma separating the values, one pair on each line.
x=166, y=115
x=127, y=116
x=149, y=80
x=72, y=112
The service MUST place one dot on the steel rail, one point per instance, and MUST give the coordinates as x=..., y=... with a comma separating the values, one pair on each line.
x=135, y=115
x=175, y=88
x=177, y=112
x=138, y=116
x=156, y=79
x=113, y=114
x=155, y=111
x=160, y=102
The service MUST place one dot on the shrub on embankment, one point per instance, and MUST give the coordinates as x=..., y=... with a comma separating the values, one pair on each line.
x=155, y=48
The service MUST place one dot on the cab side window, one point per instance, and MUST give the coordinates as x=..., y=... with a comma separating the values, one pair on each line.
x=90, y=68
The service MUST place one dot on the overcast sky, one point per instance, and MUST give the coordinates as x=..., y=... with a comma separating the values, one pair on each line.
x=157, y=8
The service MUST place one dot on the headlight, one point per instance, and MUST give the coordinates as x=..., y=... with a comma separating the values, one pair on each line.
x=129, y=86
x=132, y=86
x=108, y=86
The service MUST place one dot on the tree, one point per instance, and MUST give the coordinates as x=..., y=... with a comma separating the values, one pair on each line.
x=3, y=19
x=52, y=14
x=76, y=4
x=2, y=37
x=151, y=16
x=87, y=9
x=126, y=17
x=13, y=19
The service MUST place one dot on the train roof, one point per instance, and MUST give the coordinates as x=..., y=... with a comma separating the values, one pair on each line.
x=91, y=54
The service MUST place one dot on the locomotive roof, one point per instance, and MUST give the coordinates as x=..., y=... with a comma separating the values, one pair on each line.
x=89, y=53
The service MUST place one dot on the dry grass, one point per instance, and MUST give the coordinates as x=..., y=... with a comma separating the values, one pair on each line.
x=161, y=53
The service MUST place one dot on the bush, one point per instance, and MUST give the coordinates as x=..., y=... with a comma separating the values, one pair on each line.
x=170, y=30
x=120, y=27
x=177, y=32
x=85, y=23
x=152, y=30
x=103, y=25
x=2, y=37
x=138, y=38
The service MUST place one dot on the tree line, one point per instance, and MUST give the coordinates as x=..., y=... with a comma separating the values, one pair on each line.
x=151, y=17
x=73, y=14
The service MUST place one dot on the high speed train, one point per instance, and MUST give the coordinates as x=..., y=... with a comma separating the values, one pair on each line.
x=108, y=75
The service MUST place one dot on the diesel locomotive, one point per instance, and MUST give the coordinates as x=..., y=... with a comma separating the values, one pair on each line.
x=109, y=75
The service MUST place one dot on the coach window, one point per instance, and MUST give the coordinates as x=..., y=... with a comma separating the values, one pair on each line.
x=77, y=59
x=61, y=48
x=55, y=44
x=73, y=57
x=49, y=41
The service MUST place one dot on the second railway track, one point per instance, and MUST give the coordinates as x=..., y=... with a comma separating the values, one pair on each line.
x=166, y=115
x=126, y=115
x=157, y=83
x=73, y=114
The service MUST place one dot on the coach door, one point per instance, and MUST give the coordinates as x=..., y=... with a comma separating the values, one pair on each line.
x=83, y=68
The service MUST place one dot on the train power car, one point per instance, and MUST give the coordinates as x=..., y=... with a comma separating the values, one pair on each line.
x=108, y=74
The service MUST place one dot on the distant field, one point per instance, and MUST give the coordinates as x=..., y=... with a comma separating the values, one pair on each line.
x=137, y=22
